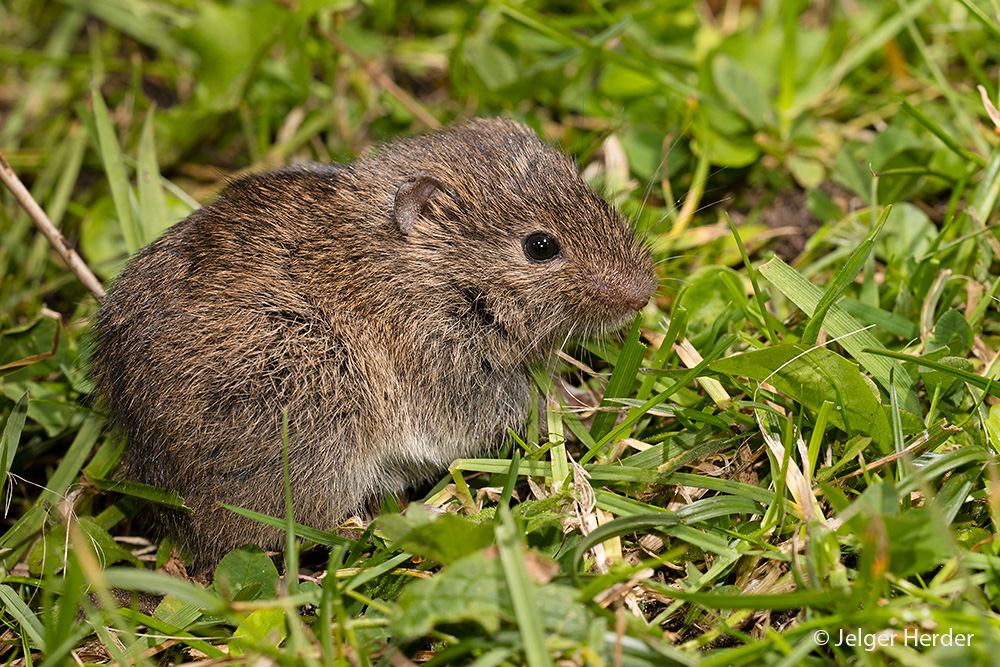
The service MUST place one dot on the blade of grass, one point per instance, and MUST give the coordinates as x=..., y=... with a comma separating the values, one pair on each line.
x=557, y=456
x=859, y=343
x=986, y=384
x=883, y=319
x=60, y=44
x=312, y=534
x=134, y=579
x=790, y=600
x=171, y=630
x=622, y=380
x=844, y=277
x=114, y=169
x=982, y=17
x=154, y=494
x=938, y=465
x=152, y=200
x=522, y=592
x=19, y=611
x=943, y=136
x=772, y=337
x=12, y=436
x=623, y=428
x=72, y=462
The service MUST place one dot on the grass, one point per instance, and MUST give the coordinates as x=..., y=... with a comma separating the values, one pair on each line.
x=794, y=461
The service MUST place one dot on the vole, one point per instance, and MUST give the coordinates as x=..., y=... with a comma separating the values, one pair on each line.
x=392, y=307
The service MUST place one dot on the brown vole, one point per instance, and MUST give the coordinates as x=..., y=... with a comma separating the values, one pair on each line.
x=392, y=306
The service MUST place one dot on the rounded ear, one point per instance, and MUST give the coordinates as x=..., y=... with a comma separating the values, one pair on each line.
x=412, y=197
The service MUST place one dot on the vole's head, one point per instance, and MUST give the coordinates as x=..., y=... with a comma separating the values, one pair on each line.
x=504, y=222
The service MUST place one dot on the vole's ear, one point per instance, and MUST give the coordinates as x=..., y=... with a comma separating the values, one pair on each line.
x=412, y=198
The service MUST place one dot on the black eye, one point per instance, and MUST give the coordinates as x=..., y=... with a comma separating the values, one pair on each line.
x=541, y=247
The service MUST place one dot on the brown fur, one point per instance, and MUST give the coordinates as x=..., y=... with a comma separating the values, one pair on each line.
x=388, y=305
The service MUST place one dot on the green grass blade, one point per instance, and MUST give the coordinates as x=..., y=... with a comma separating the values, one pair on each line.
x=938, y=132
x=793, y=600
x=984, y=200
x=986, y=384
x=935, y=465
x=621, y=526
x=72, y=462
x=850, y=334
x=758, y=295
x=153, y=494
x=557, y=438
x=12, y=436
x=730, y=486
x=323, y=537
x=521, y=589
x=19, y=611
x=883, y=319
x=621, y=382
x=844, y=277
x=60, y=43
x=137, y=19
x=114, y=169
x=153, y=212
x=981, y=16
x=622, y=429
x=75, y=148
x=134, y=579
x=716, y=506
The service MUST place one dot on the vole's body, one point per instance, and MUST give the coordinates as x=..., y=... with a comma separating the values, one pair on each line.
x=388, y=306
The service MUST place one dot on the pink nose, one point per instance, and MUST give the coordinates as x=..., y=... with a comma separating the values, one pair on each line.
x=629, y=291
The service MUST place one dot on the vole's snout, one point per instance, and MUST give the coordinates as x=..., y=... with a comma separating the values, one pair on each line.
x=624, y=293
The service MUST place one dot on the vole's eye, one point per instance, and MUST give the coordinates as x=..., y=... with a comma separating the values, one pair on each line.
x=541, y=246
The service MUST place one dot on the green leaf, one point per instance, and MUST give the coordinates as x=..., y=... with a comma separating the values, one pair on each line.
x=469, y=590
x=46, y=558
x=244, y=568
x=493, y=65
x=474, y=589
x=812, y=376
x=442, y=537
x=709, y=294
x=228, y=58
x=953, y=332
x=738, y=86
x=993, y=426
x=265, y=627
x=734, y=152
x=808, y=172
